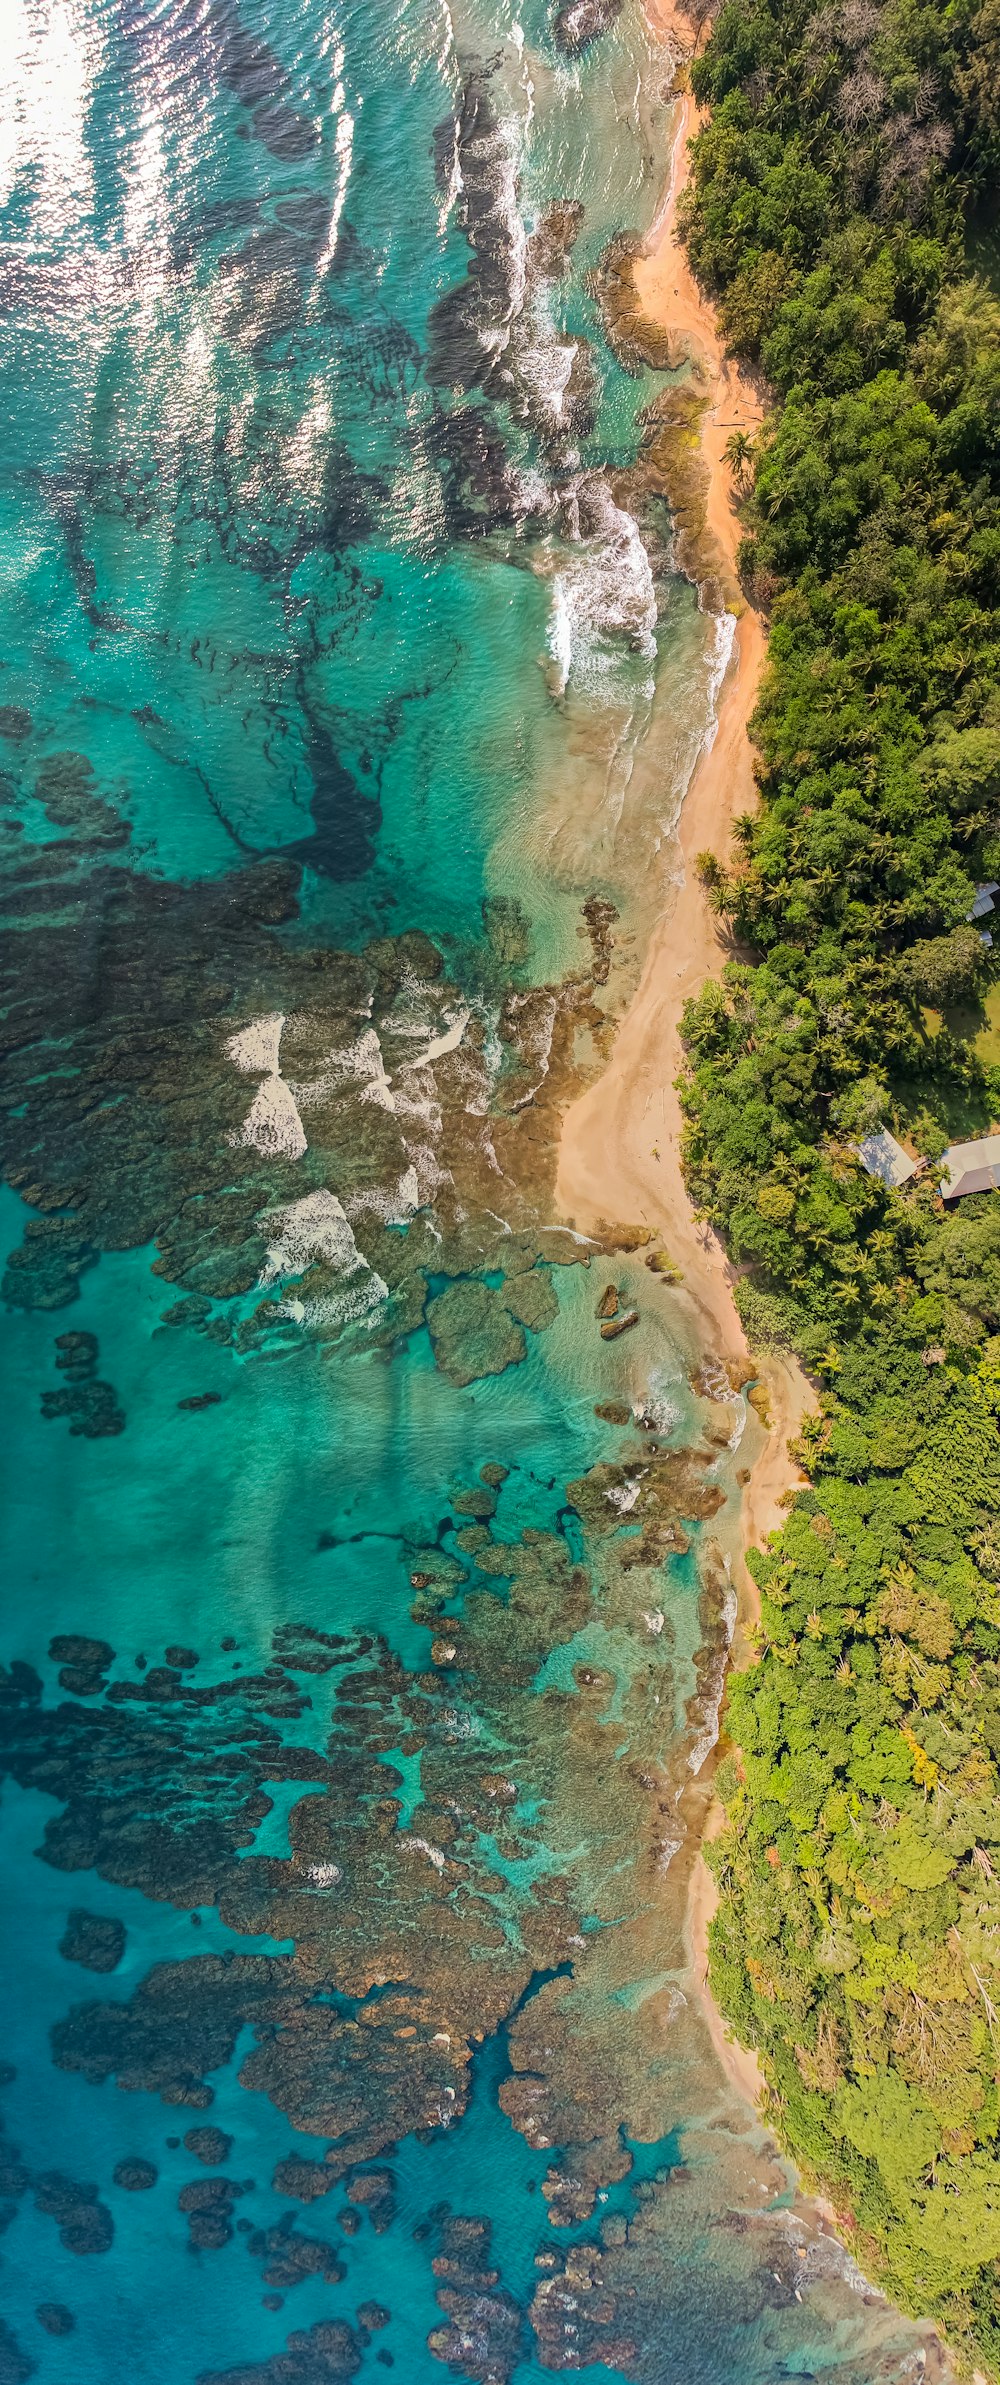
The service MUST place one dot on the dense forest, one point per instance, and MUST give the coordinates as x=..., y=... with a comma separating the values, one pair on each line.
x=839, y=214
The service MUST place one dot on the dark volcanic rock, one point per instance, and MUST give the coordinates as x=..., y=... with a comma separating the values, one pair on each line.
x=93, y=1939
x=579, y=22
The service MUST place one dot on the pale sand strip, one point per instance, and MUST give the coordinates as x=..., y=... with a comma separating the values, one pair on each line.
x=620, y=1149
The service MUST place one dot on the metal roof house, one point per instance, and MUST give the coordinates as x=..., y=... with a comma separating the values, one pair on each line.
x=882, y=1156
x=983, y=904
x=971, y=1168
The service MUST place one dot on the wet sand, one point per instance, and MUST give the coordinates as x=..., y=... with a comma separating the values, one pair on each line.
x=620, y=1150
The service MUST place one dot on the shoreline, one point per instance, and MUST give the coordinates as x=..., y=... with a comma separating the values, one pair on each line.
x=619, y=1152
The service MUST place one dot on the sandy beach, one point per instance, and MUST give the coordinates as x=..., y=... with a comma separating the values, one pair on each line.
x=620, y=1151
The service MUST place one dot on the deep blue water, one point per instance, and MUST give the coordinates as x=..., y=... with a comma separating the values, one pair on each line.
x=365, y=1610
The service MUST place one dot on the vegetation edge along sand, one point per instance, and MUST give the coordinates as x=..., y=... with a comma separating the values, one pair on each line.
x=841, y=213
x=620, y=1152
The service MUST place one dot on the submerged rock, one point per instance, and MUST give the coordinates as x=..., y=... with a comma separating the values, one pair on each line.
x=532, y=1300
x=15, y=2366
x=85, y=2224
x=209, y=2145
x=94, y=1939
x=286, y=2257
x=55, y=2318
x=207, y=2203
x=134, y=2174
x=579, y=22
x=320, y=2355
x=485, y=2336
x=473, y=1333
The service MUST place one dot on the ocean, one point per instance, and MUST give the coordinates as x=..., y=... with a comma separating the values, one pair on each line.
x=366, y=1605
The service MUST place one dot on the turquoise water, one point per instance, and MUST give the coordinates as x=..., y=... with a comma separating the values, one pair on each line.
x=365, y=1609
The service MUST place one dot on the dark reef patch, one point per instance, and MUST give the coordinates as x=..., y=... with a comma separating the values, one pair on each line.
x=15, y=2365
x=286, y=2257
x=209, y=2145
x=485, y=2336
x=134, y=2174
x=85, y=2224
x=207, y=2206
x=93, y=1939
x=91, y=1406
x=55, y=2318
x=320, y=2355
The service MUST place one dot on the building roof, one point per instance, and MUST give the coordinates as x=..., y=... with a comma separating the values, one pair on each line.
x=971, y=1168
x=883, y=1157
x=984, y=899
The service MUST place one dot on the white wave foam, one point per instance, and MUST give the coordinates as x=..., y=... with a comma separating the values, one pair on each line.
x=458, y=1021
x=602, y=593
x=272, y=1124
x=422, y=1846
x=660, y=1411
x=714, y=1381
x=501, y=150
x=257, y=1047
x=455, y=184
x=623, y=1495
x=720, y=655
x=527, y=82
x=343, y=145
x=394, y=1206
x=740, y=1425
x=361, y=1059
x=545, y=360
x=314, y=1228
x=357, y=1304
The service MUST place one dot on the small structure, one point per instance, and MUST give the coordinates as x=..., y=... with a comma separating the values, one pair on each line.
x=983, y=904
x=971, y=1168
x=882, y=1156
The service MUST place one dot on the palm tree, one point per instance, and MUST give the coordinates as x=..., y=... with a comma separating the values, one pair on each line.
x=738, y=453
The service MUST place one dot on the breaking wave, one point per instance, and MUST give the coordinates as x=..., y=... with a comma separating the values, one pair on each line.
x=603, y=591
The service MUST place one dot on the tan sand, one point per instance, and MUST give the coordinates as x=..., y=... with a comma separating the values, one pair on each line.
x=620, y=1150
